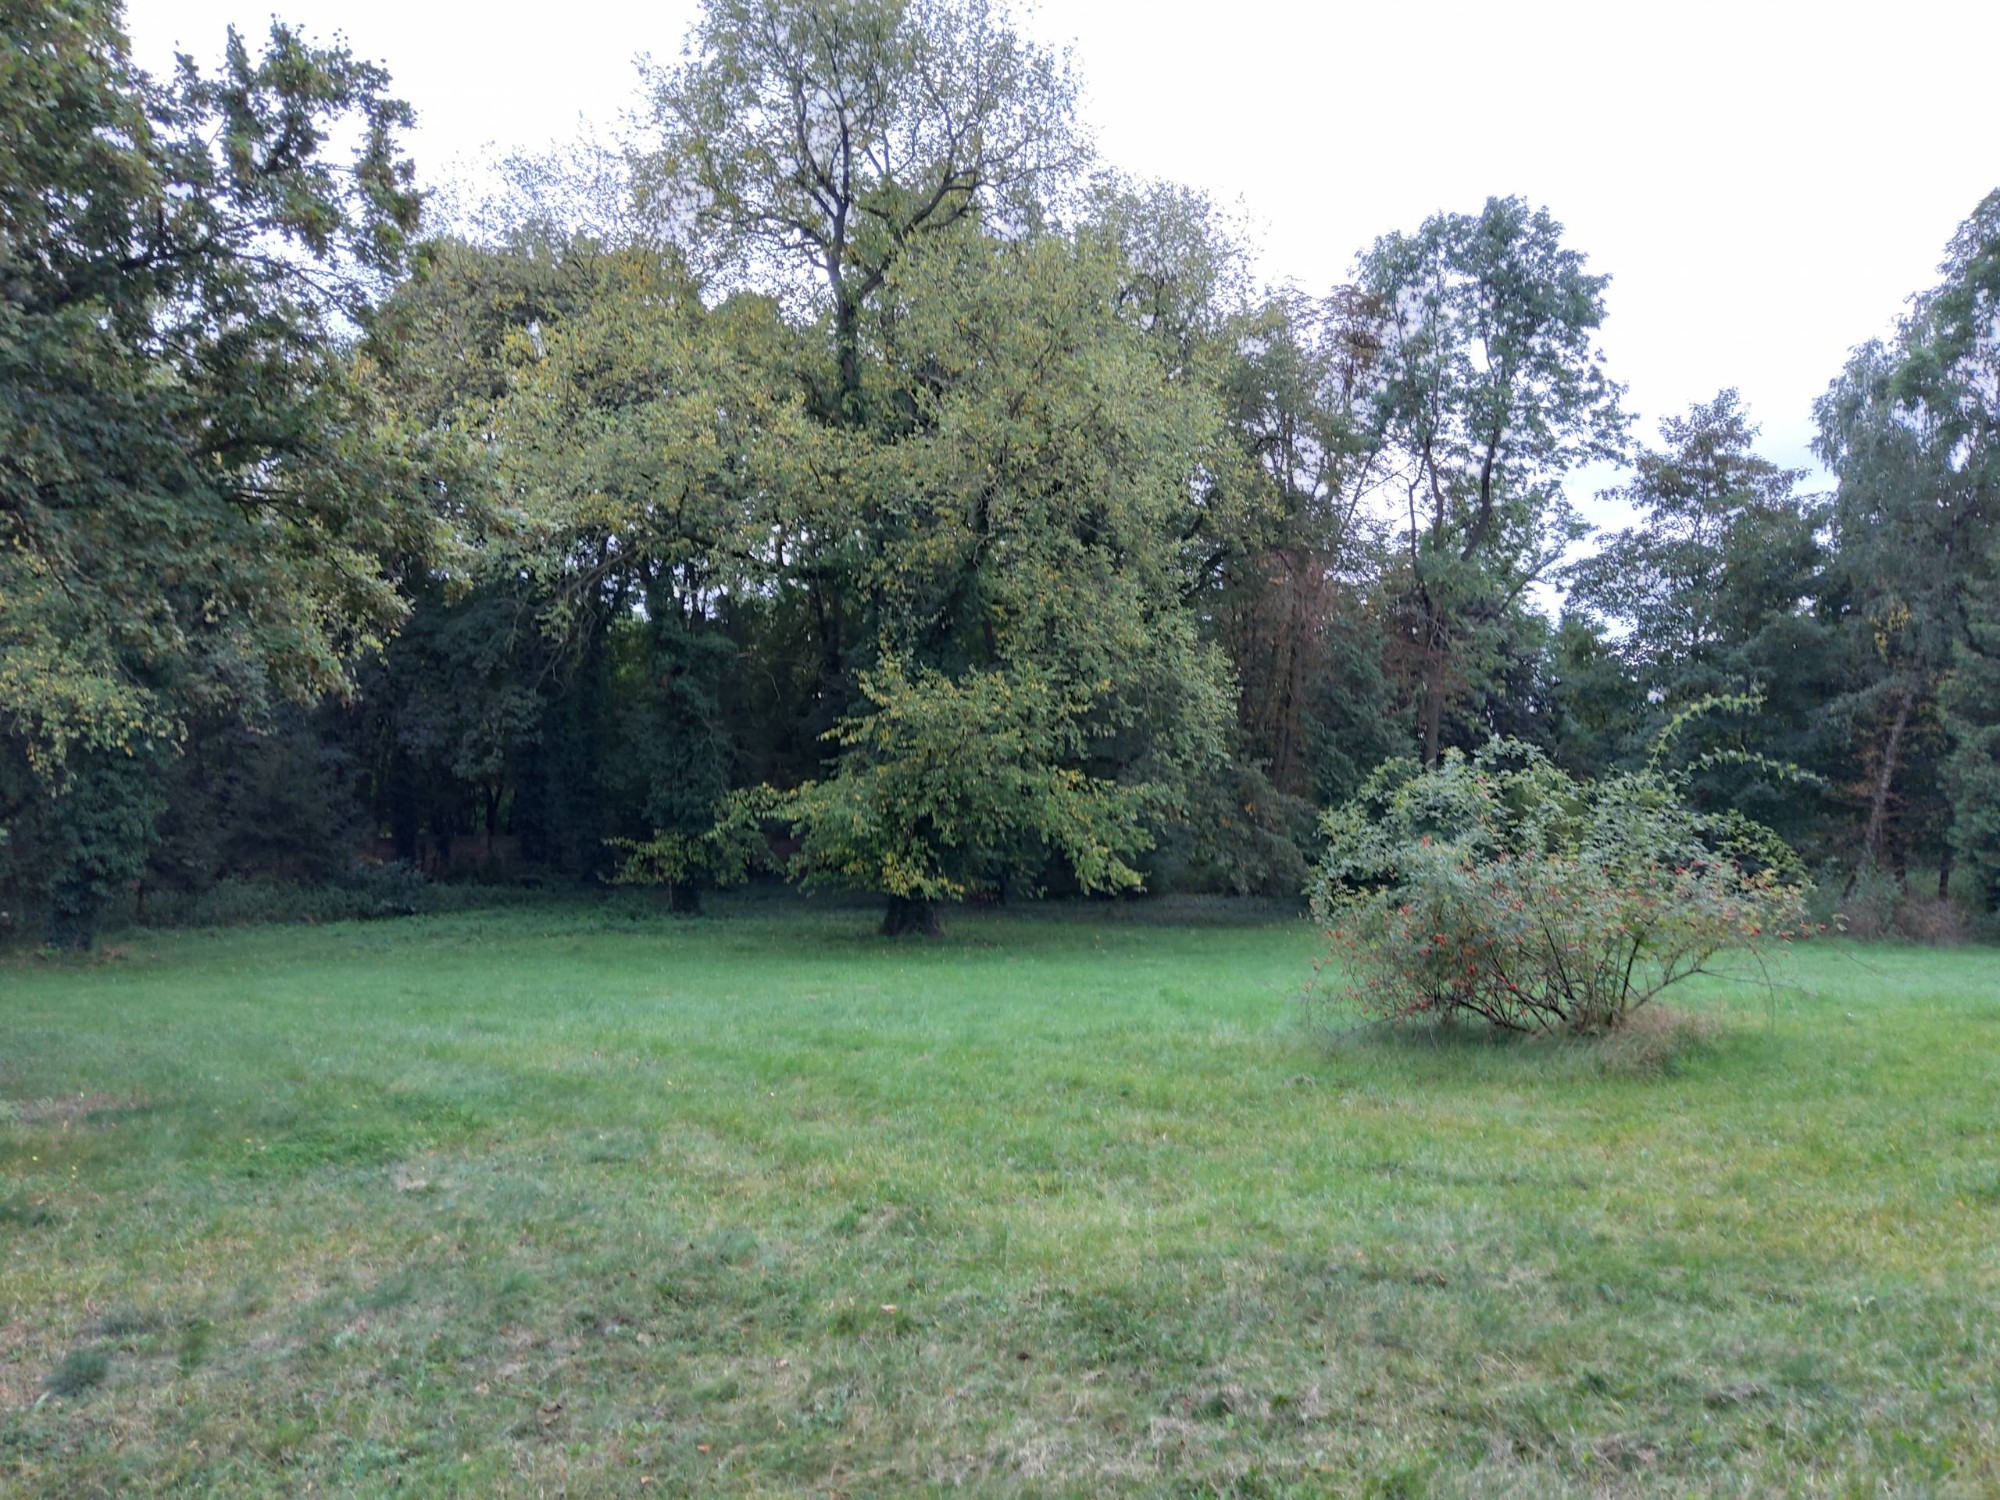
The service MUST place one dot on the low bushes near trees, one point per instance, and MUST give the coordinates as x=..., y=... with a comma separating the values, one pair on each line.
x=1498, y=886
x=1875, y=905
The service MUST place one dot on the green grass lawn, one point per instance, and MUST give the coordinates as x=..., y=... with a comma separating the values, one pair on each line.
x=585, y=1200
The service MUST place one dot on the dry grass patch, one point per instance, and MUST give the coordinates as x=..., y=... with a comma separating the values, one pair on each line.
x=66, y=1110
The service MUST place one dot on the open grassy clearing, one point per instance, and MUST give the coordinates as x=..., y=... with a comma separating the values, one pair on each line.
x=582, y=1200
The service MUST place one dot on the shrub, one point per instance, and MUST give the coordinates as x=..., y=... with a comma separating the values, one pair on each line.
x=1933, y=921
x=1874, y=906
x=1866, y=907
x=1499, y=886
x=361, y=892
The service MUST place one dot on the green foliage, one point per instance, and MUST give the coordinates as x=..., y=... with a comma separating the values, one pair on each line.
x=72, y=861
x=1184, y=269
x=673, y=758
x=276, y=805
x=644, y=440
x=1600, y=711
x=673, y=859
x=187, y=520
x=835, y=142
x=953, y=788
x=1488, y=387
x=102, y=827
x=1716, y=589
x=1872, y=905
x=1032, y=519
x=1502, y=887
x=1281, y=543
x=1949, y=373
x=1236, y=834
x=1720, y=587
x=1291, y=544
x=356, y=891
x=1970, y=697
x=1724, y=547
x=1020, y=565
x=719, y=486
x=1912, y=430
x=193, y=522
x=724, y=851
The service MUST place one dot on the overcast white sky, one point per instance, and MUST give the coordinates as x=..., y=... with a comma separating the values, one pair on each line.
x=1765, y=182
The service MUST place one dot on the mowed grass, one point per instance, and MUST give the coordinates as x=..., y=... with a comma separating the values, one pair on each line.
x=588, y=1200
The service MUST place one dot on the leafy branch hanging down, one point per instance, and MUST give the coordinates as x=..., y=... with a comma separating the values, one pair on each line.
x=945, y=789
x=684, y=862
x=1499, y=886
x=946, y=786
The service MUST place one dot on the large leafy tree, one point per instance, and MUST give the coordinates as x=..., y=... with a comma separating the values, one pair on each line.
x=1683, y=579
x=1900, y=556
x=1008, y=529
x=804, y=151
x=949, y=787
x=1025, y=568
x=1955, y=378
x=1489, y=388
x=831, y=139
x=188, y=521
x=983, y=501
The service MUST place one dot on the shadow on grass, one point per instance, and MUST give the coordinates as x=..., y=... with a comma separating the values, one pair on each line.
x=1655, y=1041
x=82, y=1370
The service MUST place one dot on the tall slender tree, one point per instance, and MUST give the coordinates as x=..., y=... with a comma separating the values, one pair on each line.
x=1489, y=389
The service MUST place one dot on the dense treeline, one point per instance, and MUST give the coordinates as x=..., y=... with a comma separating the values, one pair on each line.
x=855, y=477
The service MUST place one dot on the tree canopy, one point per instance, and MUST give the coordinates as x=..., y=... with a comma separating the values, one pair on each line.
x=853, y=477
x=192, y=510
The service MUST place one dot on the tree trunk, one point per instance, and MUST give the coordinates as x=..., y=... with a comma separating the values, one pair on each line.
x=1885, y=781
x=908, y=916
x=74, y=910
x=847, y=344
x=1944, y=873
x=1436, y=671
x=1433, y=712
x=405, y=820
